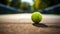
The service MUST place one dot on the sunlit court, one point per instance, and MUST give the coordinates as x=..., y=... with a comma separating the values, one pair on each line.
x=22, y=23
x=26, y=18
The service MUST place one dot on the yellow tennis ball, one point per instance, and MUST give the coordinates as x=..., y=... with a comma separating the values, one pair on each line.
x=36, y=17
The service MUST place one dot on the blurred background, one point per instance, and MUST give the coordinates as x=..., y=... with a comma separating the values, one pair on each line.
x=29, y=6
x=15, y=16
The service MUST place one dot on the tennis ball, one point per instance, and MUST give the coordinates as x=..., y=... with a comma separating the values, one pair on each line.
x=36, y=17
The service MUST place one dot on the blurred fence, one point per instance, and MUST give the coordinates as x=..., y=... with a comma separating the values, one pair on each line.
x=11, y=10
x=55, y=9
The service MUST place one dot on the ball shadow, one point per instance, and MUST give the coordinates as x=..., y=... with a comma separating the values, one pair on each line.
x=39, y=25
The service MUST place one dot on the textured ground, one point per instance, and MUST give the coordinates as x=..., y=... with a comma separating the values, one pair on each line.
x=27, y=29
x=22, y=24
